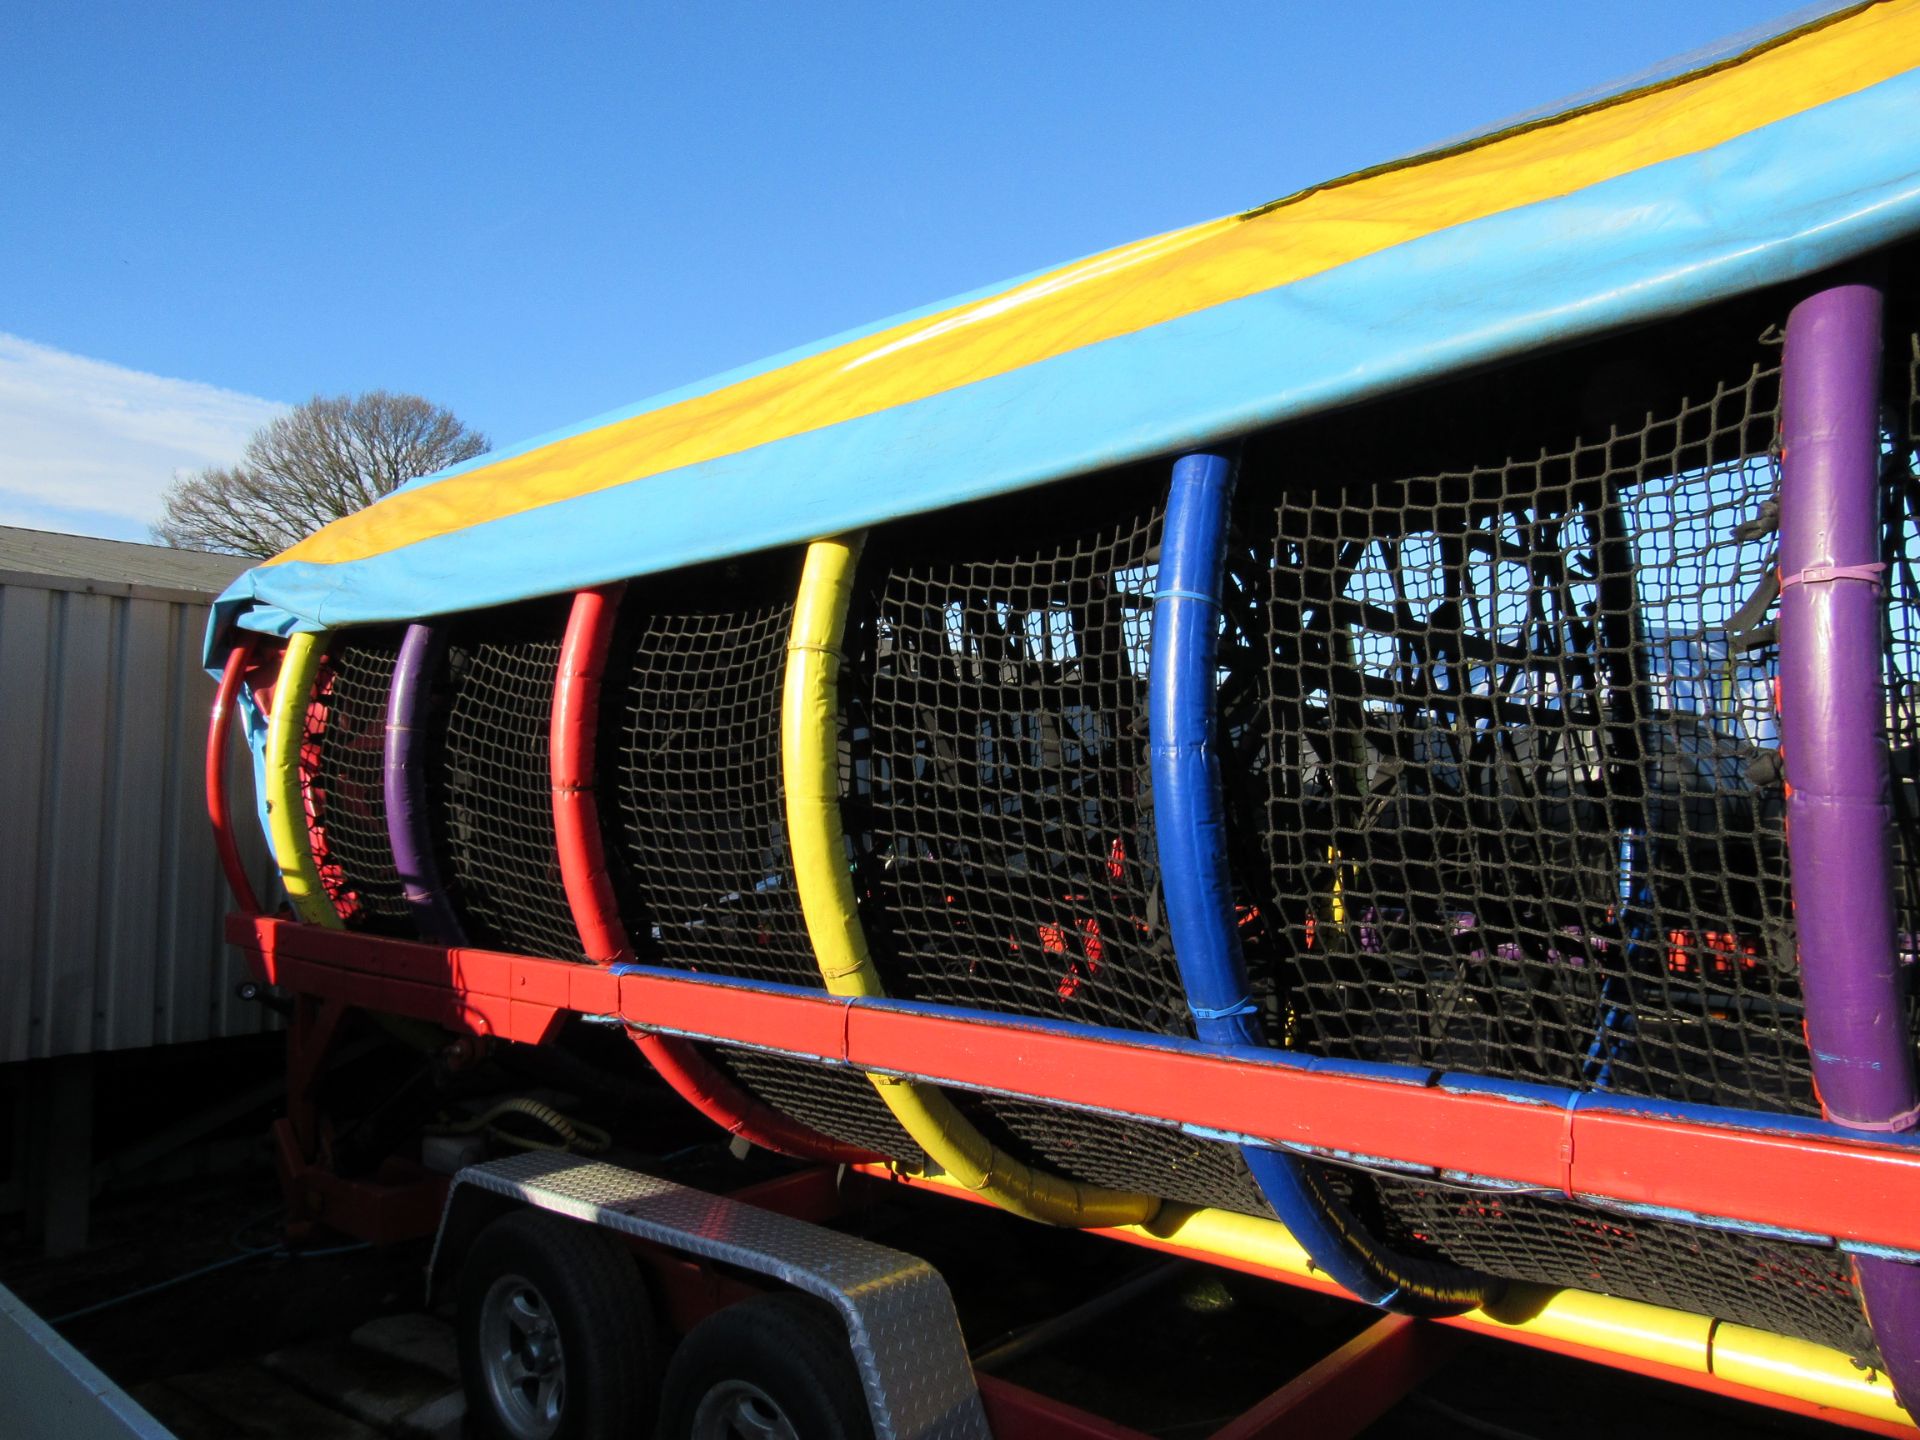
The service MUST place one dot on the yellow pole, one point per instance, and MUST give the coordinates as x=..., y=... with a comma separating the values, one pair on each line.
x=287, y=832
x=1758, y=1359
x=1782, y=1366
x=809, y=755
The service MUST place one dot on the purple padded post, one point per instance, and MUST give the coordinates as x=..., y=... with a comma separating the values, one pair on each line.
x=405, y=778
x=1833, y=735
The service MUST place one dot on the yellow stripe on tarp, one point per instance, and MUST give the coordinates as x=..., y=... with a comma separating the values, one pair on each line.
x=1130, y=289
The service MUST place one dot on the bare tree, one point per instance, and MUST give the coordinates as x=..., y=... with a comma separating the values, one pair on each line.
x=318, y=462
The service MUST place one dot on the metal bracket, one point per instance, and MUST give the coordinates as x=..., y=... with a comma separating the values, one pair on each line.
x=899, y=1315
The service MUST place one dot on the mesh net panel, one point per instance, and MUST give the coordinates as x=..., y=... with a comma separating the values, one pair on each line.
x=835, y=1102
x=1504, y=755
x=1790, y=1289
x=342, y=760
x=493, y=776
x=701, y=815
x=1902, y=553
x=1514, y=730
x=1009, y=749
x=1123, y=1154
x=997, y=695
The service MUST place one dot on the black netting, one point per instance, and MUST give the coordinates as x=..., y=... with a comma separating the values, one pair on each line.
x=700, y=813
x=492, y=776
x=1508, y=734
x=693, y=705
x=1008, y=744
x=997, y=721
x=1790, y=1289
x=834, y=1101
x=1124, y=1154
x=1902, y=554
x=342, y=764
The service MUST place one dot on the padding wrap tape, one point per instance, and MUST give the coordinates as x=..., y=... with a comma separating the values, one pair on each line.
x=1244, y=1006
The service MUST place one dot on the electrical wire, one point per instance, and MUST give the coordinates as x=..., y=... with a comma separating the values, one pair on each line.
x=573, y=1135
x=576, y=1136
x=277, y=1252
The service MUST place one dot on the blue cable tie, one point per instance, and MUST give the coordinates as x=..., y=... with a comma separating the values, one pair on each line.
x=1243, y=1006
x=1212, y=600
x=1574, y=1097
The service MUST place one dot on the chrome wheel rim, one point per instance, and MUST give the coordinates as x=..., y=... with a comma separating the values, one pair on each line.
x=521, y=1358
x=739, y=1410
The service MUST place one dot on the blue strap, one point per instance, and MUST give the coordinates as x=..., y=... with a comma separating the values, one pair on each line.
x=1201, y=596
x=1244, y=1006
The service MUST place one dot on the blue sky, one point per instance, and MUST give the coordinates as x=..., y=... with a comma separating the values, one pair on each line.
x=536, y=212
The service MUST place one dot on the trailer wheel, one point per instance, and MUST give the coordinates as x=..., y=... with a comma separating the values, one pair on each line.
x=776, y=1367
x=556, y=1333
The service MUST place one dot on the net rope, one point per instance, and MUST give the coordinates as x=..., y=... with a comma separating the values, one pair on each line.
x=1775, y=1285
x=1901, y=476
x=701, y=818
x=342, y=777
x=1513, y=734
x=492, y=773
x=1502, y=746
x=1000, y=807
x=836, y=1102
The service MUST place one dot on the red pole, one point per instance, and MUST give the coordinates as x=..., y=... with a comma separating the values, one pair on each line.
x=225, y=700
x=590, y=895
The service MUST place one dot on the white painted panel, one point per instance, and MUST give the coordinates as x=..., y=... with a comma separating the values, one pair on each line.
x=111, y=895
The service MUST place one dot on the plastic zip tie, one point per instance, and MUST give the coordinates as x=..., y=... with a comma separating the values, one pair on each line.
x=1904, y=1121
x=1827, y=574
x=1243, y=1006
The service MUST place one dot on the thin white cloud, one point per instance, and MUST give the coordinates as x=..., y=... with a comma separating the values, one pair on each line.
x=89, y=446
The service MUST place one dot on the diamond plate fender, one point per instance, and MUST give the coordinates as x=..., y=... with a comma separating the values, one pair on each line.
x=899, y=1316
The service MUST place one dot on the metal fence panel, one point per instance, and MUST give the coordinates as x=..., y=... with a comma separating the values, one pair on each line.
x=111, y=896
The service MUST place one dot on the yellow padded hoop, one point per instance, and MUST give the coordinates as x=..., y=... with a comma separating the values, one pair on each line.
x=287, y=832
x=810, y=769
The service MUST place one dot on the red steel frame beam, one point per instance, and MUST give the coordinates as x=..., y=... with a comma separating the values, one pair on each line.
x=1862, y=1191
x=1335, y=1398
x=1645, y=1159
x=1339, y=1396
x=1354, y=1386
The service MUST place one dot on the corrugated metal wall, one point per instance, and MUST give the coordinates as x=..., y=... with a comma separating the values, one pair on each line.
x=111, y=897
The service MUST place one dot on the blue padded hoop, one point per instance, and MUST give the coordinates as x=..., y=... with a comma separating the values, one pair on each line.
x=1190, y=829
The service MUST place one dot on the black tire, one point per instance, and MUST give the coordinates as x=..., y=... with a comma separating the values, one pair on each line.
x=592, y=1297
x=791, y=1349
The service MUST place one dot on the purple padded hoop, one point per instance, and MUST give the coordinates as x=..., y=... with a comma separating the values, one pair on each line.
x=1832, y=706
x=408, y=703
